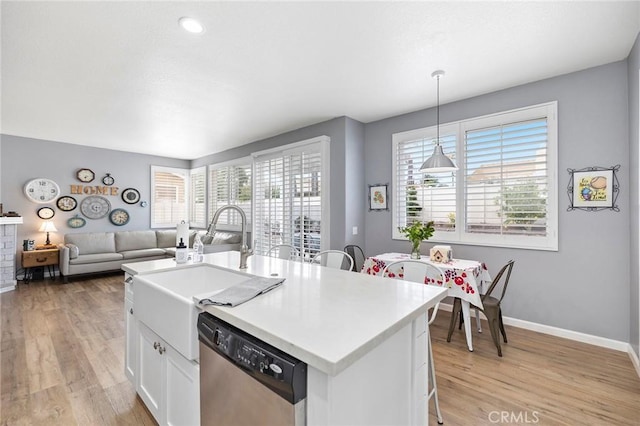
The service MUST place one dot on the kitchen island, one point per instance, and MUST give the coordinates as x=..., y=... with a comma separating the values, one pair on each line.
x=363, y=338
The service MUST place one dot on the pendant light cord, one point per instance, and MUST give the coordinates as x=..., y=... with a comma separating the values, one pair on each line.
x=438, y=110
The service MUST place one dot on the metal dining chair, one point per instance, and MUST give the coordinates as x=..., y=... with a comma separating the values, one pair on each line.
x=490, y=307
x=418, y=271
x=358, y=256
x=333, y=259
x=284, y=251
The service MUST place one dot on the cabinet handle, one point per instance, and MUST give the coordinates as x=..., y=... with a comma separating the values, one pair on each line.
x=161, y=349
x=40, y=260
x=128, y=280
x=156, y=345
x=131, y=311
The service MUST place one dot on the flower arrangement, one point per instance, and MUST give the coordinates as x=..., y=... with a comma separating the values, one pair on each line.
x=417, y=232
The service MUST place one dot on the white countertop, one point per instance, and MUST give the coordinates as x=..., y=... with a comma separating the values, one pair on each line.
x=326, y=317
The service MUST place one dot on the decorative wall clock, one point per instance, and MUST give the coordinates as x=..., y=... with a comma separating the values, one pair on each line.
x=66, y=203
x=119, y=217
x=76, y=222
x=130, y=196
x=46, y=213
x=85, y=175
x=41, y=190
x=108, y=180
x=95, y=207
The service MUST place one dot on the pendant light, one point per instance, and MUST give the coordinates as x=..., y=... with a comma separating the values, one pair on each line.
x=438, y=162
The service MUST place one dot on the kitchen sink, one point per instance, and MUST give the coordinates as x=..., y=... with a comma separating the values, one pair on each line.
x=164, y=301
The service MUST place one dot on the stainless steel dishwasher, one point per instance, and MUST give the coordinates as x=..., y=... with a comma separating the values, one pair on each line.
x=245, y=381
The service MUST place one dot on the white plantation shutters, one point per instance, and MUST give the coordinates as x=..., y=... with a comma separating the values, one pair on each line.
x=198, y=211
x=169, y=197
x=505, y=191
x=230, y=184
x=506, y=179
x=420, y=196
x=288, y=199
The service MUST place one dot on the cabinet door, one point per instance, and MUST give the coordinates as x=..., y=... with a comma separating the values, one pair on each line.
x=150, y=371
x=182, y=388
x=131, y=342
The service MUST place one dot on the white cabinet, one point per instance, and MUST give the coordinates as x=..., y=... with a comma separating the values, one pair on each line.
x=131, y=332
x=168, y=383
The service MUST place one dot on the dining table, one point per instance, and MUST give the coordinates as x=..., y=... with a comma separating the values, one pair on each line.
x=462, y=278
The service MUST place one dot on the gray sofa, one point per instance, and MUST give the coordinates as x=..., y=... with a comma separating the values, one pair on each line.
x=84, y=253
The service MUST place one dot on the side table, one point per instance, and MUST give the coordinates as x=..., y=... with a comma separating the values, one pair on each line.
x=34, y=258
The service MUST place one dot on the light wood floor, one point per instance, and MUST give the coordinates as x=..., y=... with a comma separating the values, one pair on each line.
x=61, y=363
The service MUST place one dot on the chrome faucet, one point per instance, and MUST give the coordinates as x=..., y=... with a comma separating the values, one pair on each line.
x=244, y=250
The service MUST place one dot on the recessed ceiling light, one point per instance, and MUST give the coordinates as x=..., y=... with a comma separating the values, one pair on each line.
x=191, y=25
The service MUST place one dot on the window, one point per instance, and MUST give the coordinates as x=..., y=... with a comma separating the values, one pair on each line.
x=170, y=196
x=505, y=191
x=198, y=195
x=230, y=183
x=291, y=197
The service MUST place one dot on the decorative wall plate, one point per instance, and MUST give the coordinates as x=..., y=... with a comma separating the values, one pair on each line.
x=85, y=175
x=130, y=196
x=95, y=207
x=76, y=222
x=46, y=213
x=41, y=190
x=119, y=217
x=66, y=203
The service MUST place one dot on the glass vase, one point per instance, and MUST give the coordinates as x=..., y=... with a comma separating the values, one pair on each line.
x=415, y=250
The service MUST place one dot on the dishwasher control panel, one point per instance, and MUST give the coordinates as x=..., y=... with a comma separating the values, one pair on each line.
x=267, y=364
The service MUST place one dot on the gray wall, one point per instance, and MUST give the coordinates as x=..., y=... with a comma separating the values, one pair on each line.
x=585, y=285
x=634, y=190
x=355, y=188
x=336, y=129
x=23, y=159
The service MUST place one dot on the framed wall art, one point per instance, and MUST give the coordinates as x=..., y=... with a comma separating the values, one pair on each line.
x=378, y=197
x=593, y=188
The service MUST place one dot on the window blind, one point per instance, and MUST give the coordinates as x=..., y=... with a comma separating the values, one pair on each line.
x=230, y=184
x=198, y=211
x=169, y=200
x=505, y=191
x=506, y=179
x=424, y=196
x=288, y=200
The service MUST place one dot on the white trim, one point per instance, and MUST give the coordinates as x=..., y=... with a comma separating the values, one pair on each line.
x=638, y=236
x=6, y=289
x=634, y=359
x=243, y=161
x=576, y=336
x=279, y=150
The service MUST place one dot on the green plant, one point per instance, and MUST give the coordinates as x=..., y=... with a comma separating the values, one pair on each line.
x=417, y=232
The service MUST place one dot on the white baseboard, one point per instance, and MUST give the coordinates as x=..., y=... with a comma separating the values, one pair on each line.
x=5, y=289
x=634, y=360
x=567, y=334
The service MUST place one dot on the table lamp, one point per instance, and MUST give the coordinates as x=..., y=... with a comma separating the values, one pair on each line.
x=47, y=227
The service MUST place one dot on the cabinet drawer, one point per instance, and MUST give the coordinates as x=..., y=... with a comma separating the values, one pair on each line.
x=39, y=258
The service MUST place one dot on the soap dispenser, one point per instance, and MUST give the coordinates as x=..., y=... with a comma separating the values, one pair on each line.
x=182, y=254
x=198, y=249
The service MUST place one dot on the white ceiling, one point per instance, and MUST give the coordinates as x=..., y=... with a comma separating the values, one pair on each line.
x=125, y=76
